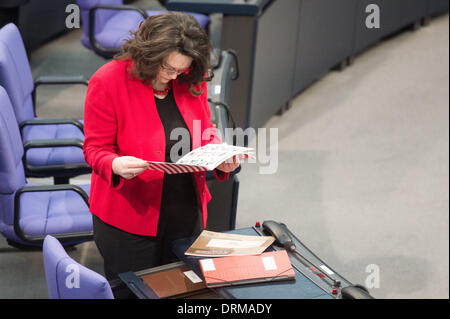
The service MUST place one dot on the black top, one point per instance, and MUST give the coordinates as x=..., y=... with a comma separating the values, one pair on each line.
x=179, y=203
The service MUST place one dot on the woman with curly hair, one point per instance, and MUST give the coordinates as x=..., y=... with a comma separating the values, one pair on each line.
x=153, y=88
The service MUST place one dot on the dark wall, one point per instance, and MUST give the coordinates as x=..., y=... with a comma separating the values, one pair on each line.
x=273, y=60
x=395, y=15
x=438, y=6
x=42, y=20
x=325, y=38
x=9, y=11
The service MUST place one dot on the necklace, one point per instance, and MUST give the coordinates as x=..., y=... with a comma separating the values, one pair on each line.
x=163, y=92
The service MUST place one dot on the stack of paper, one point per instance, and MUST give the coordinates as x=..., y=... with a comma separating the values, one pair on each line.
x=214, y=244
x=242, y=259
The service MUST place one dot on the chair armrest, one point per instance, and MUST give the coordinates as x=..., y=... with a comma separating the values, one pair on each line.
x=61, y=142
x=215, y=58
x=55, y=80
x=48, y=188
x=51, y=122
x=236, y=63
x=48, y=170
x=227, y=108
x=98, y=48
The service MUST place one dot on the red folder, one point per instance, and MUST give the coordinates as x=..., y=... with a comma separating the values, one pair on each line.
x=236, y=270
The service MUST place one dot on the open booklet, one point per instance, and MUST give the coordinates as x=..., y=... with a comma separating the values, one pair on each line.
x=205, y=158
x=214, y=244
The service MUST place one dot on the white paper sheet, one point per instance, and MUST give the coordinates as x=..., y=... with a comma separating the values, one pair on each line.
x=212, y=155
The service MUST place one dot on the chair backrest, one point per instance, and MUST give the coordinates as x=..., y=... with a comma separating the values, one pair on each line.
x=15, y=72
x=67, y=279
x=101, y=16
x=12, y=174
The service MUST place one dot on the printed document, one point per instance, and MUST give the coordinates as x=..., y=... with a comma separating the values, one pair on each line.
x=213, y=244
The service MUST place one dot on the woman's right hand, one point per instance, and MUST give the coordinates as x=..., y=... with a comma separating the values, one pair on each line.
x=128, y=166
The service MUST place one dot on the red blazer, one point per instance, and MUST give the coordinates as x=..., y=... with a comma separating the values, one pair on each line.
x=120, y=118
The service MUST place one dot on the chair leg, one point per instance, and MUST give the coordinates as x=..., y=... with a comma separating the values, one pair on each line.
x=60, y=180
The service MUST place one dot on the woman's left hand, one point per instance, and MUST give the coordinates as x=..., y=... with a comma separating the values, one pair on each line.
x=229, y=165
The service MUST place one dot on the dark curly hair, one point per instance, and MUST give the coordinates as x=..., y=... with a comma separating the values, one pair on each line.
x=162, y=34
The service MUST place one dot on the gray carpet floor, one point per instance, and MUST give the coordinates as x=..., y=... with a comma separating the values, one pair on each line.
x=362, y=166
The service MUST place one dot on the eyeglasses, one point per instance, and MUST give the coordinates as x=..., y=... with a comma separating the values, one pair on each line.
x=172, y=71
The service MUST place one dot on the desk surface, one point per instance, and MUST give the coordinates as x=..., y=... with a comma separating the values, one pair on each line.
x=306, y=285
x=229, y=7
x=300, y=288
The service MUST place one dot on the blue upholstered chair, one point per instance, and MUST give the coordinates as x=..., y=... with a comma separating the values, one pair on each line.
x=107, y=23
x=27, y=212
x=16, y=78
x=67, y=279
